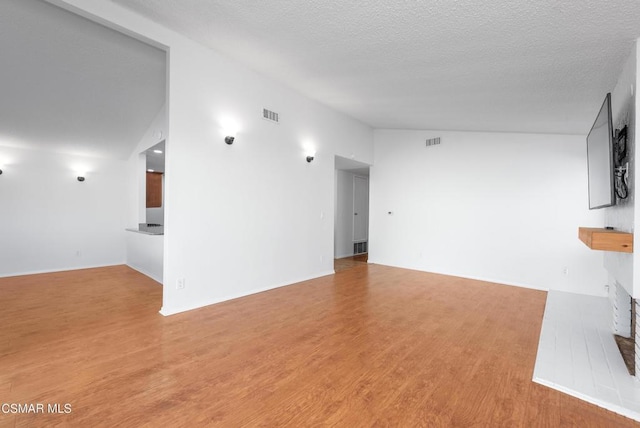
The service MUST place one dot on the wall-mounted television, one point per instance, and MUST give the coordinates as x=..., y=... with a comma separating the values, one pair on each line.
x=600, y=159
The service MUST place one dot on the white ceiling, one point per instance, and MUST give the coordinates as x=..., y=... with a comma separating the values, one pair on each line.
x=511, y=65
x=73, y=86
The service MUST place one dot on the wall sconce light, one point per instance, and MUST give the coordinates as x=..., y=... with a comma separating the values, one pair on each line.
x=80, y=171
x=308, y=150
x=229, y=129
x=311, y=154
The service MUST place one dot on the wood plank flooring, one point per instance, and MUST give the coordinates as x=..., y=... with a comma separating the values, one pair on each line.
x=369, y=346
x=345, y=263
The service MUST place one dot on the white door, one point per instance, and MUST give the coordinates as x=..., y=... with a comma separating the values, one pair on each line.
x=360, y=208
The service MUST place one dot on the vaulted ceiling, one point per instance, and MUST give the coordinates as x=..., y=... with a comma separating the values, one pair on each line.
x=495, y=65
x=70, y=85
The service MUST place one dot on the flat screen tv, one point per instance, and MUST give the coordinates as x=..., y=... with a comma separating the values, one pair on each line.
x=600, y=159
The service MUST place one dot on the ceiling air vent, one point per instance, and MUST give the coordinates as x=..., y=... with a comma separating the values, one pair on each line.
x=433, y=141
x=269, y=115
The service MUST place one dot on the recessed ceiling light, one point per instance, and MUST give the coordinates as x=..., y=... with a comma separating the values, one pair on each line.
x=157, y=151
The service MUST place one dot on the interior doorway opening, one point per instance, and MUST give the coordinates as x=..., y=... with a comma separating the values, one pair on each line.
x=154, y=169
x=351, y=216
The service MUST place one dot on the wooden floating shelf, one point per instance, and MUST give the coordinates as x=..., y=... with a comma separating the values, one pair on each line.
x=606, y=239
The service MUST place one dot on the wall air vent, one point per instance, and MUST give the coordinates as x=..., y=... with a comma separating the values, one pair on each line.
x=269, y=115
x=360, y=247
x=433, y=141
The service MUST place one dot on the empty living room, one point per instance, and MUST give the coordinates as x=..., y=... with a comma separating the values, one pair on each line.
x=309, y=213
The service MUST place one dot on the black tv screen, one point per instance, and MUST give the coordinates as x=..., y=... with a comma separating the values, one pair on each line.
x=600, y=159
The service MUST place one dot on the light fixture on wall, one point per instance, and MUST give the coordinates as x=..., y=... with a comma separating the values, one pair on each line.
x=310, y=153
x=80, y=171
x=5, y=162
x=308, y=149
x=229, y=129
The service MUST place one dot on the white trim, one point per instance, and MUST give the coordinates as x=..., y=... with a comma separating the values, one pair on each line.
x=166, y=312
x=36, y=272
x=476, y=278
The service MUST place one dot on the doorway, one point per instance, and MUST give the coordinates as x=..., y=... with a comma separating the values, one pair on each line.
x=154, y=185
x=351, y=217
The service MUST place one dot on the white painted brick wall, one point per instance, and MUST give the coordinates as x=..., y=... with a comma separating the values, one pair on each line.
x=637, y=340
x=622, y=215
x=621, y=311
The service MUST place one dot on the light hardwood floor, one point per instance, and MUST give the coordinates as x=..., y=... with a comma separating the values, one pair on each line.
x=345, y=263
x=369, y=346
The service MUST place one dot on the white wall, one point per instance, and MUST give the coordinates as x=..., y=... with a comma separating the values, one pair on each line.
x=251, y=216
x=496, y=206
x=343, y=240
x=620, y=266
x=145, y=254
x=52, y=222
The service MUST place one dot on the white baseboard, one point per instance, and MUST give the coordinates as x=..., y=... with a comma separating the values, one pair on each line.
x=172, y=311
x=65, y=269
x=476, y=278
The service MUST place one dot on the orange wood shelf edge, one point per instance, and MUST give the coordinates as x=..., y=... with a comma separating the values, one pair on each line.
x=606, y=239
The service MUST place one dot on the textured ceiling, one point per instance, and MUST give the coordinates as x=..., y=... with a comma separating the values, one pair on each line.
x=70, y=85
x=520, y=65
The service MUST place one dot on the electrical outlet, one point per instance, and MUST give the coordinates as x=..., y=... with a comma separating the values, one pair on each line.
x=180, y=284
x=565, y=271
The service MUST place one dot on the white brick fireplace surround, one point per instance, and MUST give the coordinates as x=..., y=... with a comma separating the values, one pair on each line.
x=578, y=355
